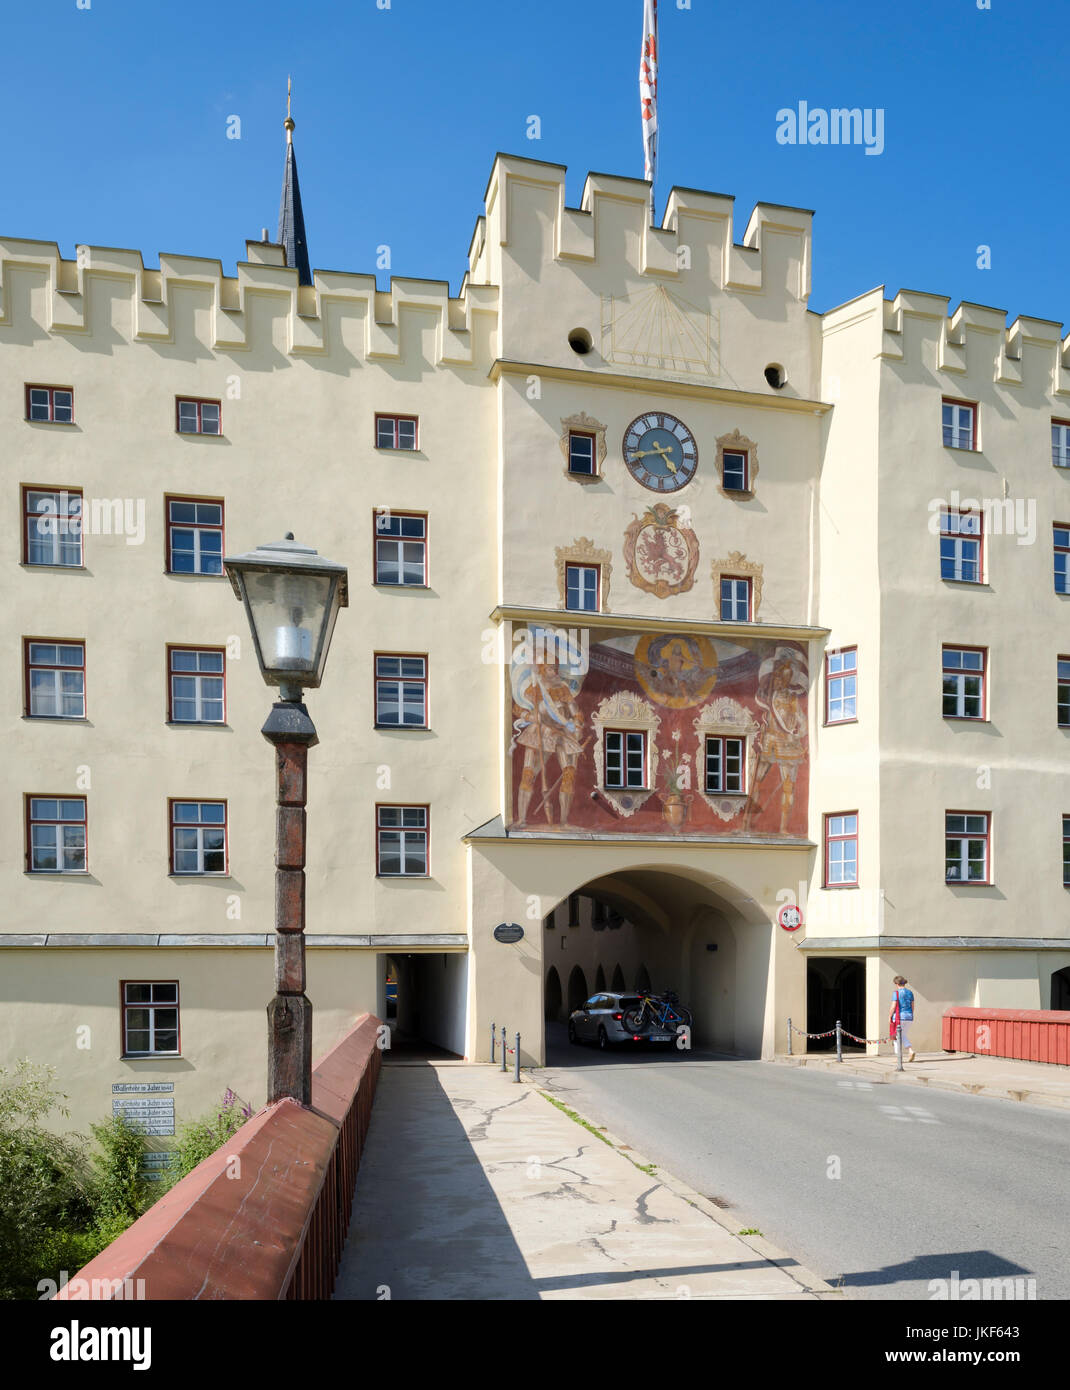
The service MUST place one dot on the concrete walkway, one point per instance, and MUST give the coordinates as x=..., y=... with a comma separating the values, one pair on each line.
x=1036, y=1083
x=473, y=1187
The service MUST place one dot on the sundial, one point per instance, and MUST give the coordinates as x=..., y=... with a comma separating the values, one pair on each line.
x=658, y=329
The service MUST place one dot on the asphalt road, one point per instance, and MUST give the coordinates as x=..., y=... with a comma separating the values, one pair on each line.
x=929, y=1182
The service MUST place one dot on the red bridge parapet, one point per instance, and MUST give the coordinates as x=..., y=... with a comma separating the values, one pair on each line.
x=264, y=1217
x=1027, y=1035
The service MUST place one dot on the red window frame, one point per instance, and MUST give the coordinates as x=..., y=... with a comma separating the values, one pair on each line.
x=28, y=666
x=219, y=502
x=414, y=420
x=986, y=835
x=973, y=405
x=377, y=536
x=582, y=472
x=839, y=839
x=840, y=675
x=580, y=565
x=424, y=806
x=198, y=401
x=746, y=471
x=958, y=671
x=423, y=680
x=947, y=534
x=1064, y=424
x=40, y=386
x=626, y=786
x=30, y=821
x=1059, y=683
x=1066, y=851
x=123, y=1006
x=27, y=516
x=173, y=647
x=172, y=801
x=736, y=579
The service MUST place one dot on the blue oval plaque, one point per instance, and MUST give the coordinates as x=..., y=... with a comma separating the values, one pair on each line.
x=508, y=932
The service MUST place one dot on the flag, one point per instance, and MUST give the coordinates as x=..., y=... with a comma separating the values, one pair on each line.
x=648, y=90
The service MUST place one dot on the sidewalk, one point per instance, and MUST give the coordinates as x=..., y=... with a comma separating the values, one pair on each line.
x=1035, y=1083
x=473, y=1187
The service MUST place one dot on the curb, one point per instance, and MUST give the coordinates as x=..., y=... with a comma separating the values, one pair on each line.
x=937, y=1083
x=807, y=1280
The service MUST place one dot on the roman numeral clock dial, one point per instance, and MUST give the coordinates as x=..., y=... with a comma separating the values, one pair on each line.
x=660, y=452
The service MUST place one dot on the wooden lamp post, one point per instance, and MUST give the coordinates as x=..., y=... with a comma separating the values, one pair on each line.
x=292, y=596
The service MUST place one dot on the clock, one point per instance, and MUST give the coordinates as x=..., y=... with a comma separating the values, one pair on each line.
x=660, y=452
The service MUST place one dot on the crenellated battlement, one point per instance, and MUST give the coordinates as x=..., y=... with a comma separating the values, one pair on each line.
x=313, y=313
x=693, y=219
x=975, y=341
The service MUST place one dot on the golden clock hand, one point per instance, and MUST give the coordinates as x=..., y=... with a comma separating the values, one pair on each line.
x=666, y=455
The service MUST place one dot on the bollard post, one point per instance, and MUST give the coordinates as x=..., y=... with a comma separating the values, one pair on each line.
x=516, y=1076
x=492, y=1042
x=898, y=1046
x=789, y=1037
x=503, y=1047
x=839, y=1041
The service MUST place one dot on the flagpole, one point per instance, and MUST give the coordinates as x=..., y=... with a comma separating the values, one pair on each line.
x=648, y=96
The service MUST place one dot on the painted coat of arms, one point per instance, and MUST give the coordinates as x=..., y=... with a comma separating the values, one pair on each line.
x=660, y=552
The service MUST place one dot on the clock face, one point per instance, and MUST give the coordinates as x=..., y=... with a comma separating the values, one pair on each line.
x=660, y=452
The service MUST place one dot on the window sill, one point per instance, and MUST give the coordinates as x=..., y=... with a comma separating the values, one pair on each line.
x=62, y=424
x=968, y=883
x=191, y=574
x=56, y=718
x=835, y=723
x=393, y=449
x=152, y=1057
x=404, y=728
x=56, y=873
x=196, y=723
x=183, y=877
x=967, y=718
x=199, y=434
x=31, y=565
x=963, y=448
x=390, y=878
x=381, y=584
x=966, y=583
x=835, y=887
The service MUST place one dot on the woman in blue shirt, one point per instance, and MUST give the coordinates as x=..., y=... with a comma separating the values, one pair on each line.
x=904, y=998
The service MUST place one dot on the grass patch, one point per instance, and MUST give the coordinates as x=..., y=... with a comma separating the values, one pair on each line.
x=751, y=1231
x=573, y=1116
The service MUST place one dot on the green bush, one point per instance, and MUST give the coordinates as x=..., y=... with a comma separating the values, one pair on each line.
x=45, y=1181
x=120, y=1193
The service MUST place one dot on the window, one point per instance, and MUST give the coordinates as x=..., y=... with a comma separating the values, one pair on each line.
x=400, y=548
x=735, y=476
x=52, y=403
x=841, y=686
x=841, y=850
x=1066, y=851
x=1064, y=692
x=625, y=758
x=960, y=546
x=581, y=453
x=55, y=679
x=964, y=683
x=960, y=424
x=195, y=683
x=57, y=834
x=150, y=1018
x=52, y=526
x=194, y=536
x=966, y=853
x=197, y=417
x=402, y=841
x=401, y=692
x=574, y=909
x=726, y=764
x=1062, y=558
x=581, y=587
x=1060, y=443
x=735, y=600
x=395, y=432
x=198, y=837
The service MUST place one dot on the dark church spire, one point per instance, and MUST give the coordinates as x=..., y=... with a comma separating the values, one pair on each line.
x=291, y=217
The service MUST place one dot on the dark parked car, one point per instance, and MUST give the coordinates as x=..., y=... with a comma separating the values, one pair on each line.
x=602, y=1020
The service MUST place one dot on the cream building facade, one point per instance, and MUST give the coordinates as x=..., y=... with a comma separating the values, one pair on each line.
x=646, y=420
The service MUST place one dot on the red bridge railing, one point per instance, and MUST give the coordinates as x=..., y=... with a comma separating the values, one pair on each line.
x=1027, y=1035
x=265, y=1216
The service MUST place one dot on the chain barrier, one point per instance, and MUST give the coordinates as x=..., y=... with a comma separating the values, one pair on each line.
x=803, y=1034
x=864, y=1040
x=839, y=1033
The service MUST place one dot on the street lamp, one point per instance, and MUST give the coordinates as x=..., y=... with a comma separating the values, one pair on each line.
x=291, y=596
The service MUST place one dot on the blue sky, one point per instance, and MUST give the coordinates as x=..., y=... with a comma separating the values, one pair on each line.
x=116, y=126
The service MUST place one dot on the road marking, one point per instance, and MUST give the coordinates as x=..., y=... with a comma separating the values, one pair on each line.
x=857, y=1085
x=910, y=1112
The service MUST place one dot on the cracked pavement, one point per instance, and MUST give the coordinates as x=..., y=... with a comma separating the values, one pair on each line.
x=474, y=1188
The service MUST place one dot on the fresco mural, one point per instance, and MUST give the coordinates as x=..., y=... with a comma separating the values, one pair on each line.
x=723, y=748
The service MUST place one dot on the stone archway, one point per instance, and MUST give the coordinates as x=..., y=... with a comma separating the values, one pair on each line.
x=599, y=980
x=1060, y=988
x=552, y=998
x=577, y=989
x=617, y=984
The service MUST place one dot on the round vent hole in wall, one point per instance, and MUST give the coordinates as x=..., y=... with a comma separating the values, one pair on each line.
x=579, y=340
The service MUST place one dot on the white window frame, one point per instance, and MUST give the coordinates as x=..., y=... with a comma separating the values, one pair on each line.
x=396, y=545
x=402, y=684
x=963, y=837
x=199, y=827
x=961, y=675
x=416, y=834
x=1060, y=443
x=62, y=846
x=726, y=772
x=962, y=535
x=56, y=669
x=625, y=759
x=955, y=430
x=731, y=600
x=200, y=699
x=150, y=1007
x=576, y=577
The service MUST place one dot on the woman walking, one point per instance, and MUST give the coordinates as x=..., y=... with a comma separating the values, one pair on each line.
x=902, y=1014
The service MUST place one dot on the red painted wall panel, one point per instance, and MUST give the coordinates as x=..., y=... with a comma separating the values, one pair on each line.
x=1025, y=1035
